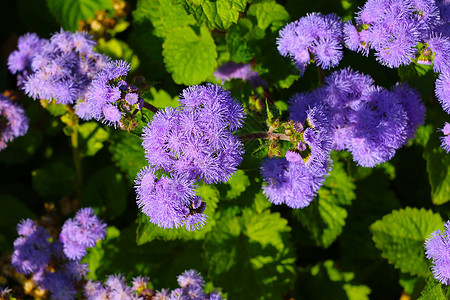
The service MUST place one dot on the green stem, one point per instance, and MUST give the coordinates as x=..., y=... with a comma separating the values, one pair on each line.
x=150, y=107
x=264, y=135
x=321, y=76
x=77, y=160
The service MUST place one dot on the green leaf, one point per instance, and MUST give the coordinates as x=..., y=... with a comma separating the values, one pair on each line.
x=237, y=41
x=54, y=180
x=94, y=256
x=434, y=290
x=105, y=190
x=147, y=231
x=164, y=15
x=117, y=49
x=401, y=235
x=325, y=217
x=161, y=99
x=252, y=249
x=269, y=13
x=93, y=137
x=191, y=58
x=69, y=13
x=236, y=185
x=438, y=167
x=127, y=153
x=216, y=14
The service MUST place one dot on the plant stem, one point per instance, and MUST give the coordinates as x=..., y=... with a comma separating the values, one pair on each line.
x=264, y=135
x=321, y=76
x=150, y=107
x=77, y=160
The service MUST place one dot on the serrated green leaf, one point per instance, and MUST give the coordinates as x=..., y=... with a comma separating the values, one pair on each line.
x=434, y=290
x=191, y=58
x=105, y=190
x=127, y=153
x=237, y=43
x=237, y=185
x=164, y=15
x=147, y=231
x=252, y=249
x=401, y=235
x=161, y=99
x=68, y=13
x=93, y=137
x=325, y=217
x=216, y=14
x=117, y=49
x=269, y=13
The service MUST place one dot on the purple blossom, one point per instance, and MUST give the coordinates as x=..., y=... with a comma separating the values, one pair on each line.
x=437, y=249
x=370, y=122
x=167, y=201
x=63, y=67
x=81, y=232
x=442, y=90
x=13, y=121
x=445, y=140
x=231, y=70
x=109, y=97
x=190, y=278
x=31, y=248
x=316, y=35
x=440, y=47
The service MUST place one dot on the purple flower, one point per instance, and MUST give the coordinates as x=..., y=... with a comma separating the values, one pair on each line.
x=31, y=248
x=13, y=121
x=63, y=67
x=190, y=278
x=370, y=122
x=440, y=47
x=316, y=35
x=445, y=140
x=442, y=90
x=81, y=232
x=167, y=201
x=232, y=70
x=109, y=97
x=437, y=248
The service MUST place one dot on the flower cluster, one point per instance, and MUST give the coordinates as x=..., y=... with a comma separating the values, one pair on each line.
x=392, y=28
x=190, y=143
x=81, y=232
x=60, y=68
x=109, y=97
x=445, y=140
x=56, y=264
x=316, y=38
x=13, y=121
x=191, y=287
x=232, y=70
x=437, y=249
x=369, y=121
x=295, y=180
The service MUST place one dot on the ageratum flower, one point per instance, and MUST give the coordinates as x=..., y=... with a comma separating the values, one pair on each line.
x=442, y=90
x=295, y=180
x=63, y=68
x=19, y=61
x=445, y=140
x=437, y=248
x=370, y=122
x=315, y=37
x=109, y=97
x=81, y=232
x=13, y=121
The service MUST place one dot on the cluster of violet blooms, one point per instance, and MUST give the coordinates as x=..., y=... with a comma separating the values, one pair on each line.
x=13, y=121
x=437, y=249
x=400, y=32
x=185, y=145
x=55, y=263
x=191, y=287
x=60, y=68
